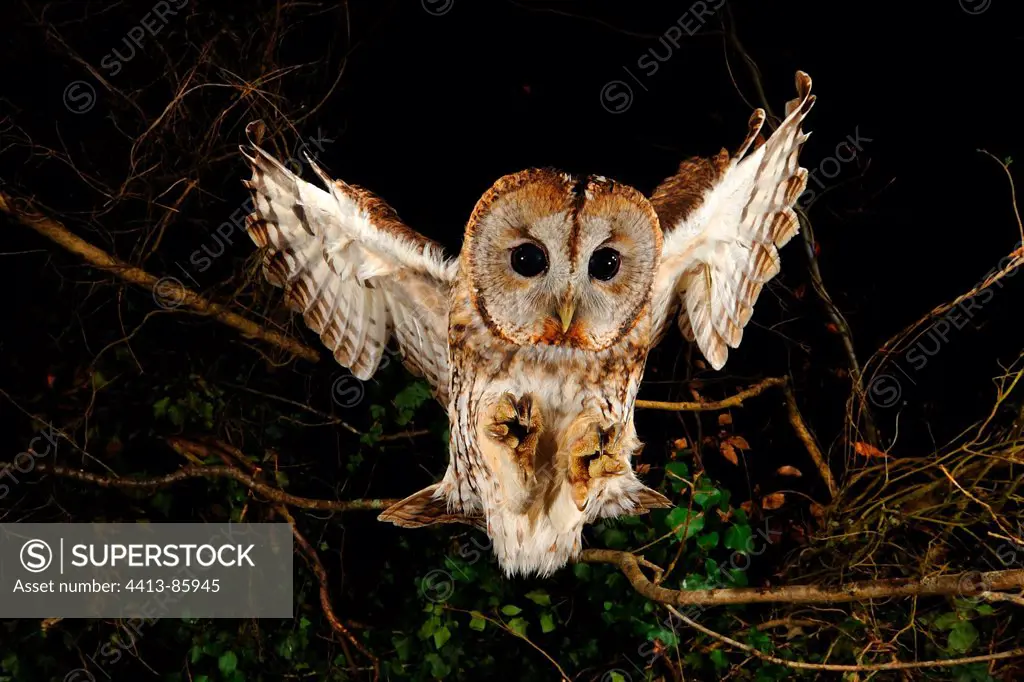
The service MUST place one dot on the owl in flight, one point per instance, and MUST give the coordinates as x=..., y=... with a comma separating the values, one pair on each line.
x=535, y=337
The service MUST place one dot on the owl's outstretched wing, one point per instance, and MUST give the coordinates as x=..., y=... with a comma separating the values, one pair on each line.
x=725, y=219
x=356, y=273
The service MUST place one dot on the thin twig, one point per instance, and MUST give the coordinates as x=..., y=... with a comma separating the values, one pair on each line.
x=503, y=626
x=807, y=234
x=995, y=517
x=725, y=403
x=800, y=665
x=233, y=457
x=318, y=569
x=797, y=421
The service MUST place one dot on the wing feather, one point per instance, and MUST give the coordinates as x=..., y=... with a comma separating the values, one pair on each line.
x=725, y=219
x=354, y=271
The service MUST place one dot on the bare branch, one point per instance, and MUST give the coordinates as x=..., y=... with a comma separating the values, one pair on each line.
x=963, y=584
x=169, y=289
x=725, y=403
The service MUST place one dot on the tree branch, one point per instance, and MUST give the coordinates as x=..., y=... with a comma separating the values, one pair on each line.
x=802, y=432
x=725, y=403
x=964, y=584
x=222, y=471
x=167, y=291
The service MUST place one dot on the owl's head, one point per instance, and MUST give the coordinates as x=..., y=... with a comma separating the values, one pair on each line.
x=556, y=261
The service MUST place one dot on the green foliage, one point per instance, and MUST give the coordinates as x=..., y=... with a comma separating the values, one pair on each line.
x=471, y=623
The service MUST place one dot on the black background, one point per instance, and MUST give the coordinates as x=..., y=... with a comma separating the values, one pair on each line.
x=427, y=104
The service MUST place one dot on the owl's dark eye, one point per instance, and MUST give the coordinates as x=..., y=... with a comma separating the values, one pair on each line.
x=529, y=260
x=604, y=264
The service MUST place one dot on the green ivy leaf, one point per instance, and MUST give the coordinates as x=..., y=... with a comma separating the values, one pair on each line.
x=708, y=541
x=539, y=597
x=547, y=622
x=664, y=635
x=759, y=640
x=176, y=415
x=478, y=622
x=719, y=660
x=438, y=668
x=677, y=522
x=511, y=610
x=615, y=538
x=738, y=537
x=706, y=495
x=675, y=471
x=409, y=399
x=518, y=626
x=402, y=646
x=984, y=609
x=963, y=636
x=162, y=502
x=946, y=621
x=616, y=677
x=227, y=662
x=441, y=635
x=428, y=627
x=160, y=407
x=582, y=571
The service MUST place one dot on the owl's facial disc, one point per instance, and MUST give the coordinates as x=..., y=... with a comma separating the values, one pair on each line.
x=553, y=261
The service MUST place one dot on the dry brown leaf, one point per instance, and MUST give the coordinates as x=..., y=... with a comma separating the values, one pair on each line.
x=680, y=444
x=788, y=471
x=773, y=501
x=738, y=442
x=868, y=450
x=729, y=452
x=747, y=506
x=817, y=511
x=643, y=468
x=724, y=419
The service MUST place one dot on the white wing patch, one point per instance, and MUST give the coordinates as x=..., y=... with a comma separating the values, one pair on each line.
x=725, y=219
x=354, y=271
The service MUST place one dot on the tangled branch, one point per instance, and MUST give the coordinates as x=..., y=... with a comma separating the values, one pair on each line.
x=793, y=411
x=834, y=667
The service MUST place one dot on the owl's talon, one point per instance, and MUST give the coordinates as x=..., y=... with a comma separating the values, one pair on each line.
x=517, y=425
x=594, y=454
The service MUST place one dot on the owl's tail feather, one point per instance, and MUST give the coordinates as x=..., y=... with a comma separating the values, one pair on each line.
x=425, y=508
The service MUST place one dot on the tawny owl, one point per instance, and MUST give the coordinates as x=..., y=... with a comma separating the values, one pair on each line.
x=535, y=338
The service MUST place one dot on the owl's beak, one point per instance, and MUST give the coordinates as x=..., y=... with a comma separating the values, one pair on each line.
x=565, y=313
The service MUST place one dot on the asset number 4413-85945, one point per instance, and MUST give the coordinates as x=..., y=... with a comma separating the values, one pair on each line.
x=176, y=585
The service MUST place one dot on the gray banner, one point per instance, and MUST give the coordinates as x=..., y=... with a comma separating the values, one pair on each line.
x=146, y=570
